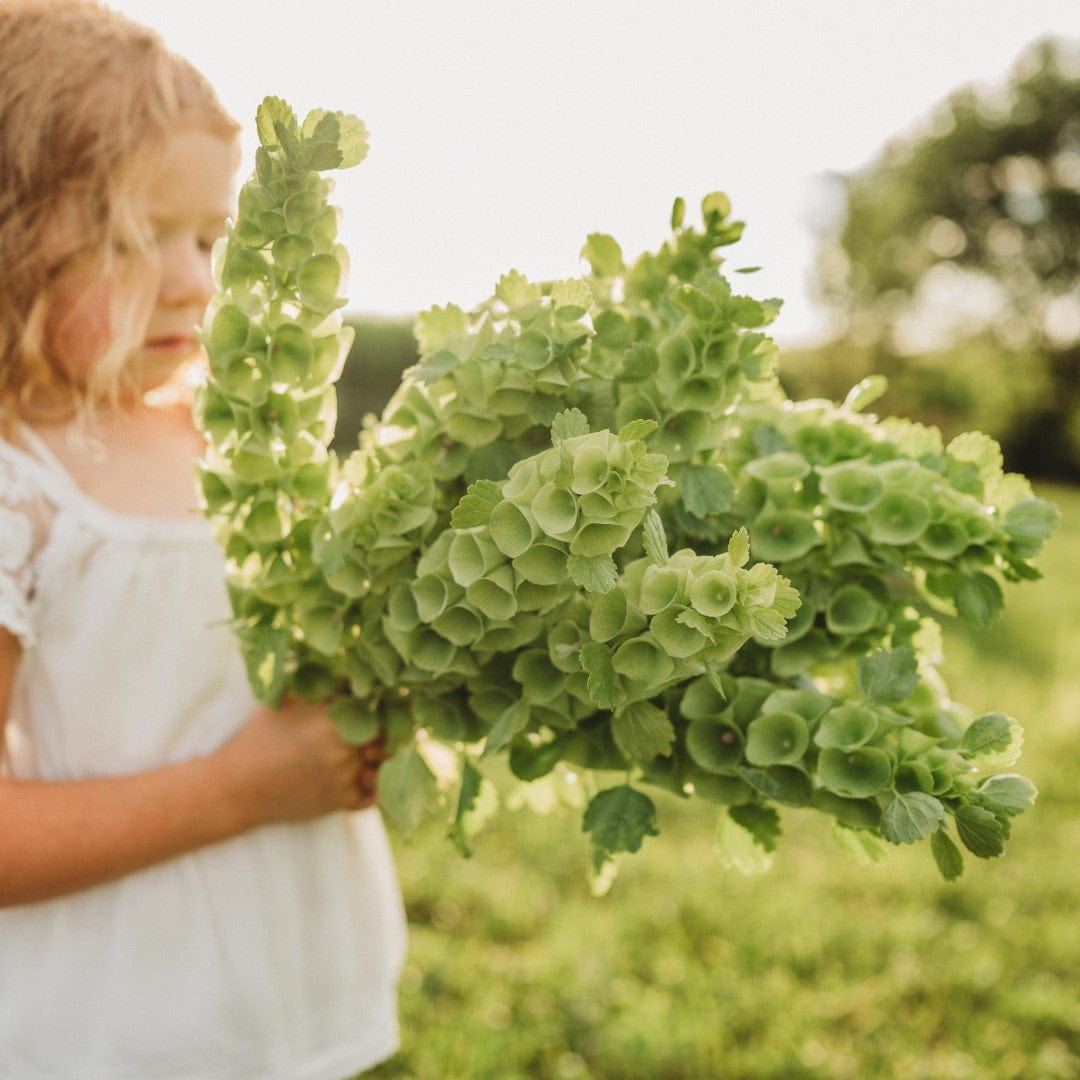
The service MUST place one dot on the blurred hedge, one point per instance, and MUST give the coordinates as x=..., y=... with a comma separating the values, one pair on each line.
x=382, y=349
x=977, y=385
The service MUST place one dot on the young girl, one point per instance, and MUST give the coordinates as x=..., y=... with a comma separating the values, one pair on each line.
x=186, y=887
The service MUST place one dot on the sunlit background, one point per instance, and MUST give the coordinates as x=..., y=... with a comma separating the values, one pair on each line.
x=502, y=133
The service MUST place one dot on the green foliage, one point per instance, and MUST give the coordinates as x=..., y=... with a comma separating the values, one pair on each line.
x=590, y=534
x=982, y=201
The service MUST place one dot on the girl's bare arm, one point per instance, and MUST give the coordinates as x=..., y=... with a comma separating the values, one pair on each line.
x=59, y=837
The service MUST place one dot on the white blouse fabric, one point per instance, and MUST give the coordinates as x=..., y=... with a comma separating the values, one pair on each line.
x=271, y=956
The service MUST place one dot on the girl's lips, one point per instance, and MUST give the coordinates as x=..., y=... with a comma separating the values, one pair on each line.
x=173, y=343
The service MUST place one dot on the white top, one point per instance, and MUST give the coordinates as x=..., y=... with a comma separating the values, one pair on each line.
x=271, y=956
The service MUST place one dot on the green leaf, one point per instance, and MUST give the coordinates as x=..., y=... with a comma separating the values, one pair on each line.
x=654, y=538
x=618, y=819
x=1030, y=522
x=738, y=549
x=888, y=676
x=762, y=822
x=993, y=740
x=740, y=849
x=595, y=574
x=866, y=392
x=512, y=721
x=408, y=792
x=947, y=855
x=637, y=430
x=603, y=684
x=265, y=655
x=865, y=847
x=981, y=832
x=474, y=509
x=910, y=817
x=571, y=298
x=980, y=450
x=459, y=831
x=516, y=291
x=857, y=814
x=716, y=204
x=1012, y=793
x=642, y=731
x=604, y=255
x=781, y=783
x=345, y=134
x=706, y=489
x=568, y=424
x=271, y=113
x=979, y=600
x=640, y=363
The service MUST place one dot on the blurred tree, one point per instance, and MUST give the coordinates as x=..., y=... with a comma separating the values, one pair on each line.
x=963, y=239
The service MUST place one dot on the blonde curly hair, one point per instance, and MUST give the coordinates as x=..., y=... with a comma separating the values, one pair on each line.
x=87, y=100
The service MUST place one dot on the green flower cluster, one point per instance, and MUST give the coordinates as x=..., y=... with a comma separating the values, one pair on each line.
x=490, y=569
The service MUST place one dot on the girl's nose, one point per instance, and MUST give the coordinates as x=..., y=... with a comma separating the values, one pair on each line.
x=185, y=274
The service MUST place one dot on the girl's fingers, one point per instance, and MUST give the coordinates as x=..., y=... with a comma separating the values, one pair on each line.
x=372, y=755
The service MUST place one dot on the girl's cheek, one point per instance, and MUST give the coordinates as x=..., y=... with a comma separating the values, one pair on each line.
x=77, y=330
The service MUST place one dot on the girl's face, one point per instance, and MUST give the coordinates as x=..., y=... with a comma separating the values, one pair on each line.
x=185, y=204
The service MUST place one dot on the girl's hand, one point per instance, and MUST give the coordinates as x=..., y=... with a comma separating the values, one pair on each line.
x=291, y=765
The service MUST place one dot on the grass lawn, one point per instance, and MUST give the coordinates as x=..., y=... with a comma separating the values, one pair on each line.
x=820, y=969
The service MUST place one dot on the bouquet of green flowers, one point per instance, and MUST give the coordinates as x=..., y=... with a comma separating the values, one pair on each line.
x=590, y=532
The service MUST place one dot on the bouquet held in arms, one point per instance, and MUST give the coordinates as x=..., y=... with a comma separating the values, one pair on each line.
x=590, y=534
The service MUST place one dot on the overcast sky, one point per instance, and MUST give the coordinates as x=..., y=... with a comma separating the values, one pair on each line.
x=503, y=132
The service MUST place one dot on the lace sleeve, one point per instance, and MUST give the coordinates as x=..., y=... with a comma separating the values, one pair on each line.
x=16, y=549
